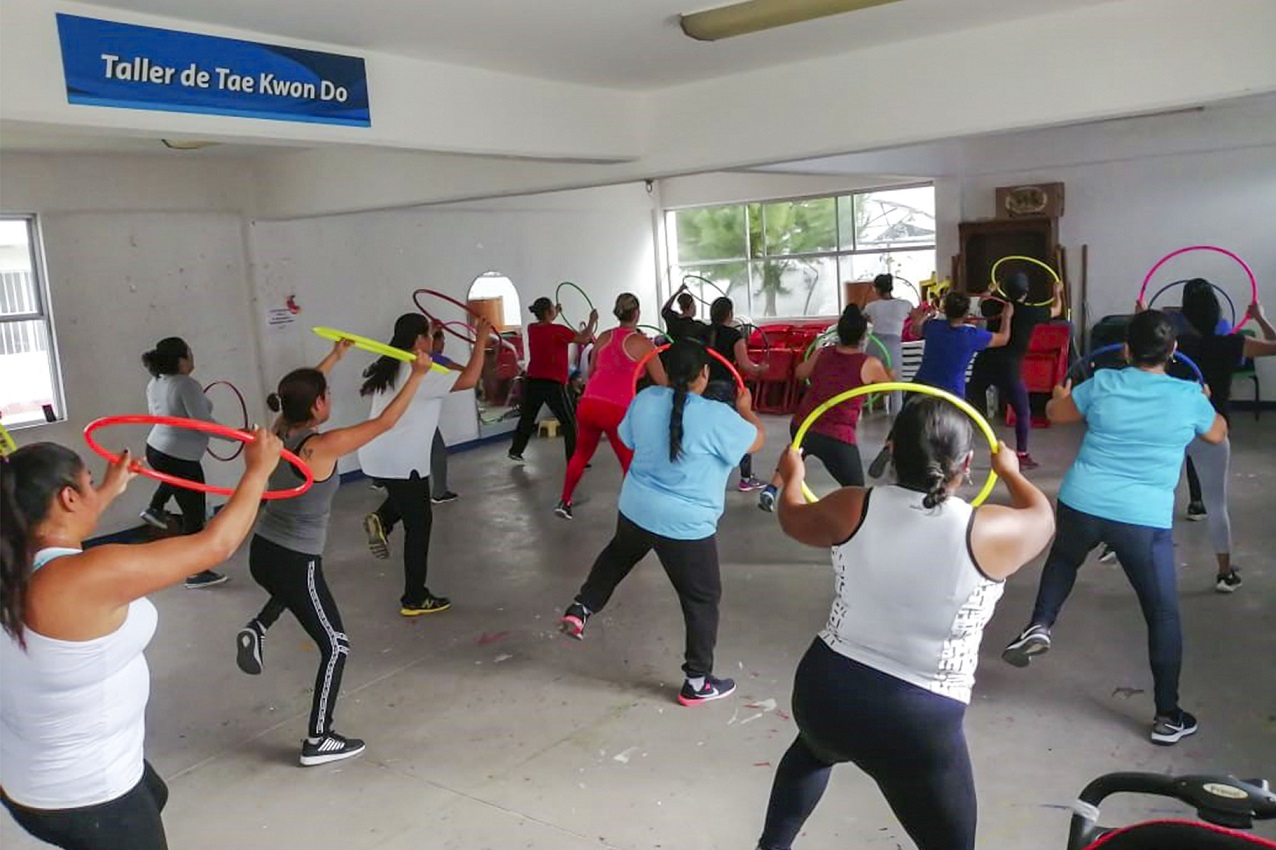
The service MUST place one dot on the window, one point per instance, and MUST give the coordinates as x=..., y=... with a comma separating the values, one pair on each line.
x=30, y=389
x=785, y=257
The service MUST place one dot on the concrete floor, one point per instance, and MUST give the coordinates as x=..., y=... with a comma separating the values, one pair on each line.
x=486, y=729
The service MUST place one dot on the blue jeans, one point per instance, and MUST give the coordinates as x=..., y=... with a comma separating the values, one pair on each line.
x=1147, y=556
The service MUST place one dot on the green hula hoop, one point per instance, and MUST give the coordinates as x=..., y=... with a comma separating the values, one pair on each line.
x=900, y=386
x=657, y=331
x=558, y=300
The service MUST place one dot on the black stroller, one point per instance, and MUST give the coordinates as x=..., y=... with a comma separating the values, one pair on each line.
x=1226, y=805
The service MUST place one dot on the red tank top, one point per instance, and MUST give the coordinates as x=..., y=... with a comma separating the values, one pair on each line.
x=834, y=373
x=612, y=378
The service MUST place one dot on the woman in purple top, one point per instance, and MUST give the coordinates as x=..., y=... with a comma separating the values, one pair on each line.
x=833, y=370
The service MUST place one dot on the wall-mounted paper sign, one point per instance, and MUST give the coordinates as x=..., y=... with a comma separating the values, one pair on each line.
x=123, y=65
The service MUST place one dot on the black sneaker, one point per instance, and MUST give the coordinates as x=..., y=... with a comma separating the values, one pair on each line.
x=249, y=643
x=1228, y=582
x=378, y=545
x=1026, y=462
x=1196, y=511
x=430, y=605
x=155, y=519
x=207, y=578
x=711, y=690
x=574, y=620
x=766, y=499
x=515, y=458
x=877, y=468
x=564, y=510
x=1170, y=729
x=444, y=497
x=331, y=747
x=1034, y=640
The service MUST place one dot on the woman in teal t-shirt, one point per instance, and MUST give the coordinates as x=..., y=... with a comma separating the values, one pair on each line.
x=685, y=447
x=1120, y=491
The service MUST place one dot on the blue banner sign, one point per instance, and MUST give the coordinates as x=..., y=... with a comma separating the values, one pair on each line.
x=112, y=64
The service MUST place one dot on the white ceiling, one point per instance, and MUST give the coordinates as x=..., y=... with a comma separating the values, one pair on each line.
x=634, y=44
x=19, y=138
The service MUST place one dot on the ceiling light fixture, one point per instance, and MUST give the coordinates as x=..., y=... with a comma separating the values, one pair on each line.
x=187, y=144
x=757, y=15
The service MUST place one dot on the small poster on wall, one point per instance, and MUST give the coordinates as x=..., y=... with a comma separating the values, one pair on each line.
x=280, y=318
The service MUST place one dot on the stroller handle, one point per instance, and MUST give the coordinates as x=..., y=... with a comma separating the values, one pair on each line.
x=1221, y=800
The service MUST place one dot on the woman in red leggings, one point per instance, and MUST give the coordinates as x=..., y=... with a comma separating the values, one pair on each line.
x=608, y=393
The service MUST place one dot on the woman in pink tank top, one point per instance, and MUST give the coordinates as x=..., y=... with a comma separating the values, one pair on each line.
x=832, y=370
x=608, y=393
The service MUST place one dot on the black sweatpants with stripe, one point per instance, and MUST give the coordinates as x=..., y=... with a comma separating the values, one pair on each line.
x=296, y=581
x=539, y=391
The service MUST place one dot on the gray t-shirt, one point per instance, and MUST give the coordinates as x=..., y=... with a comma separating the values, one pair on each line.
x=301, y=522
x=178, y=395
x=888, y=315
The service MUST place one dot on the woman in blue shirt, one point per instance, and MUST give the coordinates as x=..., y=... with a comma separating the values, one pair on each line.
x=1120, y=491
x=685, y=447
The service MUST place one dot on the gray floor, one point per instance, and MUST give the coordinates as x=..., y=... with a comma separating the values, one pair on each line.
x=486, y=729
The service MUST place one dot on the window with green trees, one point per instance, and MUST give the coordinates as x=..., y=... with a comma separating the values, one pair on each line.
x=786, y=257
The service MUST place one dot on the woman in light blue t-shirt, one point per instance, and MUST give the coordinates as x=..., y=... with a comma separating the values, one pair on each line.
x=1120, y=491
x=685, y=447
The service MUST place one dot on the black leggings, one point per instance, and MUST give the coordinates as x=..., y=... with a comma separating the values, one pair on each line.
x=408, y=500
x=132, y=820
x=539, y=391
x=1003, y=372
x=692, y=567
x=840, y=458
x=296, y=581
x=909, y=740
x=192, y=503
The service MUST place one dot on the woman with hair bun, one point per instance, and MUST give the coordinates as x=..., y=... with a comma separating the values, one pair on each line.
x=286, y=554
x=684, y=448
x=173, y=392
x=918, y=572
x=608, y=393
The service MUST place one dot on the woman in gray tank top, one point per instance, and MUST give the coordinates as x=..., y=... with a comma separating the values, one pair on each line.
x=287, y=551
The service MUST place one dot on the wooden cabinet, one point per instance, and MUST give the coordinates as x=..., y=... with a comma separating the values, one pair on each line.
x=985, y=242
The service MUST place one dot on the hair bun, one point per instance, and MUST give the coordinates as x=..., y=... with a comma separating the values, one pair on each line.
x=273, y=402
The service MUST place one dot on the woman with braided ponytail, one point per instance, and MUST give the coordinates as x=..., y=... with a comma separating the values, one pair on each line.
x=918, y=573
x=684, y=448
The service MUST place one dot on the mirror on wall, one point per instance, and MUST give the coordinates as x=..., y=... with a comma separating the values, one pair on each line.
x=493, y=296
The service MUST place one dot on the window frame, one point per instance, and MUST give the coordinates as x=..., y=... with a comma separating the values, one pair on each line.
x=853, y=249
x=43, y=313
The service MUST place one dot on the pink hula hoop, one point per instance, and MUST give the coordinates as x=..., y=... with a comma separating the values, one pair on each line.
x=1253, y=281
x=416, y=299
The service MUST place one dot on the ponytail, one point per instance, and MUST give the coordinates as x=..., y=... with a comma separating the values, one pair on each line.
x=30, y=479
x=684, y=361
x=382, y=375
x=675, y=421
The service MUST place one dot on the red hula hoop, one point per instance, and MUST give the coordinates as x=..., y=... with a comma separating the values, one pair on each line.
x=416, y=299
x=195, y=425
x=655, y=352
x=243, y=406
x=1253, y=281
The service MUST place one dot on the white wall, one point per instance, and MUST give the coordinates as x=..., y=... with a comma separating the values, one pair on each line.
x=358, y=271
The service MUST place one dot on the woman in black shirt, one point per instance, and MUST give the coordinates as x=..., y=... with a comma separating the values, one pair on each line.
x=725, y=338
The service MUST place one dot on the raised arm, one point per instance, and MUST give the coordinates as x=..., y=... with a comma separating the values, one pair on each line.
x=474, y=367
x=1002, y=336
x=1062, y=409
x=1056, y=303
x=744, y=406
x=339, y=349
x=587, y=335
x=1266, y=346
x=824, y=523
x=667, y=309
x=1004, y=538
x=741, y=356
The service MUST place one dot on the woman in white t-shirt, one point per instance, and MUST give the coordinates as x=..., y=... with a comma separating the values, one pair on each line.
x=76, y=622
x=399, y=459
x=888, y=315
x=918, y=571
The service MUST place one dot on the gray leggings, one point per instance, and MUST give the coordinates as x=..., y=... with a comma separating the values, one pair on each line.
x=1212, y=462
x=438, y=464
x=895, y=348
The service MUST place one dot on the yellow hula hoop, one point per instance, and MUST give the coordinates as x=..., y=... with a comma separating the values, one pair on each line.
x=372, y=345
x=996, y=286
x=905, y=387
x=7, y=445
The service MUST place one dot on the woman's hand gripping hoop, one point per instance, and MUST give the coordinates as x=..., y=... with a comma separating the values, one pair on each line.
x=558, y=300
x=900, y=386
x=308, y=479
x=995, y=285
x=1253, y=281
x=416, y=299
x=655, y=352
x=243, y=407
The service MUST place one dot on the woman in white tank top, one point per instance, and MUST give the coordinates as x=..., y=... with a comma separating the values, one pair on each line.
x=917, y=574
x=73, y=701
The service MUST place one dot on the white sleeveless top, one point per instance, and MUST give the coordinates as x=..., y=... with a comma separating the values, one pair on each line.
x=911, y=601
x=73, y=713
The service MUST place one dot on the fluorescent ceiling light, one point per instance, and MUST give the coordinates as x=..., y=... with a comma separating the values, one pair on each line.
x=757, y=15
x=187, y=144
